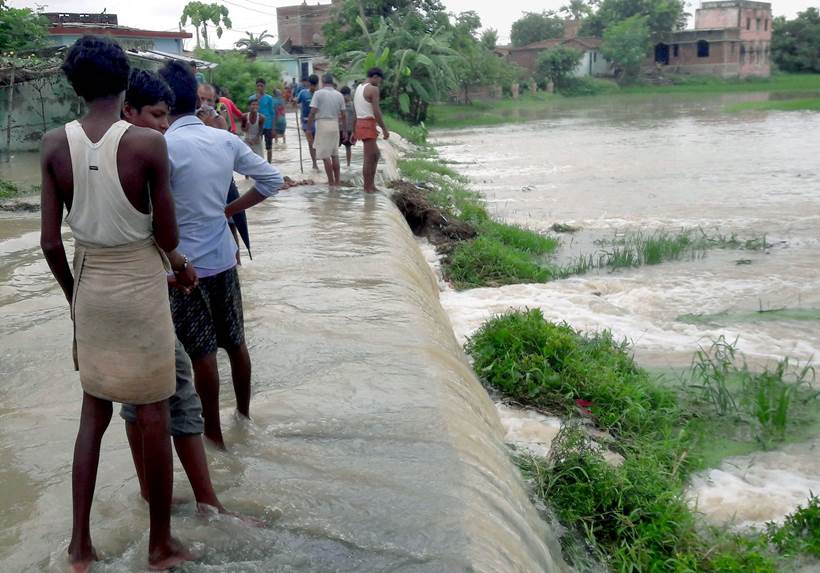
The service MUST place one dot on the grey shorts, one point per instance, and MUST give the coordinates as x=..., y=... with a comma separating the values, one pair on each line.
x=186, y=409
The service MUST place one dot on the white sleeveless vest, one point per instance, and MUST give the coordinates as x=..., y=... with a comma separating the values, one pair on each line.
x=101, y=215
x=364, y=109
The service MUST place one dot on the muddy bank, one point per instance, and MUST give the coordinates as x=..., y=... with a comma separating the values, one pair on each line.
x=426, y=220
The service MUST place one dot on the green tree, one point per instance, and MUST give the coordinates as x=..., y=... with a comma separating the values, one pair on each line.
x=21, y=29
x=662, y=16
x=200, y=15
x=577, y=9
x=254, y=42
x=533, y=27
x=796, y=43
x=557, y=64
x=489, y=38
x=344, y=34
x=626, y=45
x=238, y=73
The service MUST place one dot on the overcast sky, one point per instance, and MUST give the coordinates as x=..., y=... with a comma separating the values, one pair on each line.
x=259, y=15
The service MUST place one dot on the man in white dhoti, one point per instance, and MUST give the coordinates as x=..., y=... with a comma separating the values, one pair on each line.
x=327, y=111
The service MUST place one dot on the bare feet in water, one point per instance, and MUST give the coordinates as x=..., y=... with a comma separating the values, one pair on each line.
x=168, y=555
x=206, y=509
x=80, y=560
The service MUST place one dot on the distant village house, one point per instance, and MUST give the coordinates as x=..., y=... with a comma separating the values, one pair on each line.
x=731, y=38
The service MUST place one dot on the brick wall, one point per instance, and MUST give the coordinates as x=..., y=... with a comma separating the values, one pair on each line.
x=303, y=24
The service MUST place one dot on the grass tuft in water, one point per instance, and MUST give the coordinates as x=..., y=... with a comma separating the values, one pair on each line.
x=635, y=516
x=487, y=261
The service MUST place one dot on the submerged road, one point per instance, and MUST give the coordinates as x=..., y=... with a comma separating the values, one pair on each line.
x=372, y=446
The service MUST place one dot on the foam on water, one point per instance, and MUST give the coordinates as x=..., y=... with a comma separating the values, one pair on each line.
x=668, y=163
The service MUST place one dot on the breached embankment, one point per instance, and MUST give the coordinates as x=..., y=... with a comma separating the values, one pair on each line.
x=373, y=447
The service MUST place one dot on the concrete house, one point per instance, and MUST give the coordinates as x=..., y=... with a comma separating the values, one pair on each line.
x=592, y=62
x=66, y=28
x=731, y=38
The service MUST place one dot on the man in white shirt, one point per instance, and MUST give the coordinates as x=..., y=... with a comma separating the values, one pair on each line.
x=327, y=110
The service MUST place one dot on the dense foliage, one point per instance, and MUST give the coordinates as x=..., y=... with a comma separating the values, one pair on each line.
x=535, y=27
x=662, y=16
x=625, y=45
x=557, y=65
x=21, y=29
x=426, y=54
x=238, y=74
x=796, y=43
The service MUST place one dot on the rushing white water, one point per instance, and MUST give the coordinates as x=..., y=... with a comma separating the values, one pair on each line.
x=666, y=162
x=372, y=448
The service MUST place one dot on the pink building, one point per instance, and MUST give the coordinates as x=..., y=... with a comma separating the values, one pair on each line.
x=731, y=38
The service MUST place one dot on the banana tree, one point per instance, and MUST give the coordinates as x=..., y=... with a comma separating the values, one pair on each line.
x=418, y=70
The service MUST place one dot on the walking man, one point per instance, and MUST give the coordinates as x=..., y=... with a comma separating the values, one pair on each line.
x=202, y=164
x=113, y=180
x=368, y=116
x=304, y=97
x=327, y=109
x=266, y=108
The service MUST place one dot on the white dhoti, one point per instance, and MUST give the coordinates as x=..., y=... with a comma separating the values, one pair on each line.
x=326, y=140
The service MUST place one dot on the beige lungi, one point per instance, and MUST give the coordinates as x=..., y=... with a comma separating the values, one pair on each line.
x=123, y=332
x=326, y=140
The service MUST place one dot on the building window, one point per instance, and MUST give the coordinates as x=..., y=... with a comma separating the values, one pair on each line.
x=758, y=24
x=766, y=25
x=594, y=57
x=703, y=49
x=675, y=50
x=742, y=54
x=748, y=23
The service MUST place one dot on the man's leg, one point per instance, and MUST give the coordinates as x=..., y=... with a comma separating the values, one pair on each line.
x=337, y=170
x=348, y=154
x=206, y=380
x=94, y=419
x=371, y=159
x=309, y=136
x=328, y=164
x=269, y=144
x=153, y=421
x=191, y=454
x=241, y=373
x=134, y=435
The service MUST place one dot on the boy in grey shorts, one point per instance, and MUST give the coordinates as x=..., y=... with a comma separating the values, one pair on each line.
x=186, y=428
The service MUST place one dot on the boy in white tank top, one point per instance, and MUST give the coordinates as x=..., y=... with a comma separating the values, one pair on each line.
x=114, y=181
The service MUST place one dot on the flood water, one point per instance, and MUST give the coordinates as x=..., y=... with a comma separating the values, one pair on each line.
x=372, y=448
x=667, y=162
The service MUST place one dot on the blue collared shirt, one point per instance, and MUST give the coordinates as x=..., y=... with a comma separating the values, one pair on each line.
x=203, y=160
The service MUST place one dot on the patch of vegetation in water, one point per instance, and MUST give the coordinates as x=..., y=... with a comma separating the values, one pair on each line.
x=635, y=516
x=487, y=252
x=803, y=104
x=744, y=316
x=633, y=250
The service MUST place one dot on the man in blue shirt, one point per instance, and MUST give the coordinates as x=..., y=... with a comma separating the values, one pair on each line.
x=304, y=98
x=266, y=109
x=203, y=160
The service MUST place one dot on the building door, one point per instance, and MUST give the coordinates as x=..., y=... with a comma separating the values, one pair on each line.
x=662, y=54
x=305, y=69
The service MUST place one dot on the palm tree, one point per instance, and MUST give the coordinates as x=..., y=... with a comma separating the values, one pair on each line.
x=200, y=15
x=254, y=43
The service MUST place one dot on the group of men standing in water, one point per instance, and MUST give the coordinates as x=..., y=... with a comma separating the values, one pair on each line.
x=154, y=289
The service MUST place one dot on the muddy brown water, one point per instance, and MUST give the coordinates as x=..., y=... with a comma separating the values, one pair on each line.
x=646, y=163
x=372, y=446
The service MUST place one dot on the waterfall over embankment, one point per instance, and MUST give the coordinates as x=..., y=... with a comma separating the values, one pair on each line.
x=372, y=446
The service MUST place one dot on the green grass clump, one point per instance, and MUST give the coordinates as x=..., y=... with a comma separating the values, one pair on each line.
x=486, y=113
x=552, y=365
x=517, y=237
x=421, y=169
x=800, y=532
x=8, y=189
x=808, y=104
x=487, y=262
x=634, y=516
x=711, y=84
x=637, y=249
x=415, y=134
